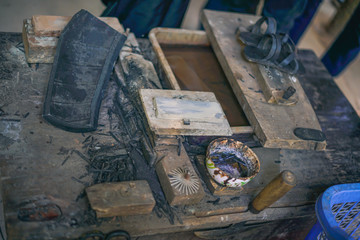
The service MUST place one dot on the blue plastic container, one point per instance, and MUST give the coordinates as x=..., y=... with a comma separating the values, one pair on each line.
x=338, y=213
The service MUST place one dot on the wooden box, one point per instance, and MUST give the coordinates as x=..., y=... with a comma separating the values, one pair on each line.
x=162, y=38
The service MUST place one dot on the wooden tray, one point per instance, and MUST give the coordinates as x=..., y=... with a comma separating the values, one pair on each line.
x=181, y=37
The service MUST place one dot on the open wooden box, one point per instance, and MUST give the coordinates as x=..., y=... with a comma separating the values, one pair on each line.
x=272, y=122
x=164, y=39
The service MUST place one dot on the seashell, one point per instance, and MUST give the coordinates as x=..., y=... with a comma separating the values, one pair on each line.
x=184, y=181
x=231, y=163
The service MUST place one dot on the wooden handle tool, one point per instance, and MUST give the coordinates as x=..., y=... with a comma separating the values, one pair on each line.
x=277, y=188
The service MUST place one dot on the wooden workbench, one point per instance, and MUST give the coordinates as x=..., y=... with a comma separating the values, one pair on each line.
x=40, y=163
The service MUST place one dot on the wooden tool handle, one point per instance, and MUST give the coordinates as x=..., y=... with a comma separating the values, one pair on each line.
x=277, y=188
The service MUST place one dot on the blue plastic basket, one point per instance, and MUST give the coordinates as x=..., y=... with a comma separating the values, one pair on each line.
x=338, y=212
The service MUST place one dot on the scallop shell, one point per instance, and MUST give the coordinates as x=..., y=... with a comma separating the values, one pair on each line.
x=184, y=181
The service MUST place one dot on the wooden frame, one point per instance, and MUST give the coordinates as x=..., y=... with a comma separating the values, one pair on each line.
x=159, y=36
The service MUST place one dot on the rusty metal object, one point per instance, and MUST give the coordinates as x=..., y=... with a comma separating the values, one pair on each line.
x=39, y=211
x=289, y=92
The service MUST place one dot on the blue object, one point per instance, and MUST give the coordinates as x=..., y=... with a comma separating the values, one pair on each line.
x=338, y=212
x=346, y=46
x=301, y=23
x=141, y=16
x=316, y=233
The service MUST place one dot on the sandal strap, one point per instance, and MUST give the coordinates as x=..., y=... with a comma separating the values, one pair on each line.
x=285, y=37
x=279, y=42
x=288, y=43
x=271, y=26
x=290, y=58
x=275, y=45
x=287, y=60
x=282, y=39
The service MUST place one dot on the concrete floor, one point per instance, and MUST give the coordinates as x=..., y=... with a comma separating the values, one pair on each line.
x=12, y=13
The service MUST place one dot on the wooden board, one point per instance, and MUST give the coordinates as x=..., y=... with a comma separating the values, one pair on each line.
x=185, y=123
x=274, y=84
x=41, y=33
x=171, y=164
x=121, y=199
x=159, y=36
x=179, y=109
x=51, y=26
x=37, y=49
x=273, y=124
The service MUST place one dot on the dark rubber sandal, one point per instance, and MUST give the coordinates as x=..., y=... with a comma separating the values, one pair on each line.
x=288, y=64
x=270, y=29
x=265, y=51
x=85, y=55
x=287, y=61
x=278, y=52
x=255, y=34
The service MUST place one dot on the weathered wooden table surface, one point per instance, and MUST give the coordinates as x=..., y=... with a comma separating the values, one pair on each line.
x=42, y=165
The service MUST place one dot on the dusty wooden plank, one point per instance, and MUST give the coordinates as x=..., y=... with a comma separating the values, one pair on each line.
x=121, y=199
x=41, y=34
x=273, y=124
x=288, y=229
x=214, y=126
x=232, y=206
x=155, y=225
x=242, y=130
x=179, y=109
x=51, y=26
x=192, y=222
x=177, y=36
x=277, y=86
x=166, y=140
x=37, y=49
x=177, y=176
